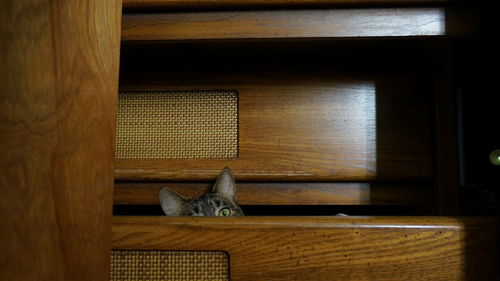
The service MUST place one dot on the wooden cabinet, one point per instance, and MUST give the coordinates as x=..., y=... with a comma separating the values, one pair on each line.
x=333, y=104
x=340, y=103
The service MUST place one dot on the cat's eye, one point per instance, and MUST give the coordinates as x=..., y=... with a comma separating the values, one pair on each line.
x=225, y=212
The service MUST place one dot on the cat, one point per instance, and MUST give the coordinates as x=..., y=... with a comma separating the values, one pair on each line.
x=220, y=202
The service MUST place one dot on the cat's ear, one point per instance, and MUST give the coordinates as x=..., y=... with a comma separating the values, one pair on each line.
x=172, y=203
x=225, y=185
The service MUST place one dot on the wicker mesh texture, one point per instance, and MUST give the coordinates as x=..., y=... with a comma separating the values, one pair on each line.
x=169, y=265
x=162, y=125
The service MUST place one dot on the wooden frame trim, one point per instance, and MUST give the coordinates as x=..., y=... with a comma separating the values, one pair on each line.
x=59, y=64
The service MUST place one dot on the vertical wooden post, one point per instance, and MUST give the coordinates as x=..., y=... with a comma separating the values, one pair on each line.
x=58, y=93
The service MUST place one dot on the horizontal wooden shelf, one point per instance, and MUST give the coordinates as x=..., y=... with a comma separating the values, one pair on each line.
x=332, y=23
x=327, y=248
x=238, y=4
x=288, y=193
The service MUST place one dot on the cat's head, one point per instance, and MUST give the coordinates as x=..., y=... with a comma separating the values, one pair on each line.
x=220, y=202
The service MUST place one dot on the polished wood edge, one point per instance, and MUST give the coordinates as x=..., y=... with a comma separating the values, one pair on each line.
x=151, y=170
x=157, y=223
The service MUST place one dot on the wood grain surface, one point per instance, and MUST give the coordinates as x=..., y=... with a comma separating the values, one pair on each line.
x=58, y=84
x=288, y=193
x=327, y=248
x=310, y=125
x=247, y=4
x=339, y=23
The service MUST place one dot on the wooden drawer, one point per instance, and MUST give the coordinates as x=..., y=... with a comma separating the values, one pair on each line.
x=302, y=116
x=327, y=248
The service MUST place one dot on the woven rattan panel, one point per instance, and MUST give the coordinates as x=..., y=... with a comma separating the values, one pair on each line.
x=162, y=125
x=169, y=265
